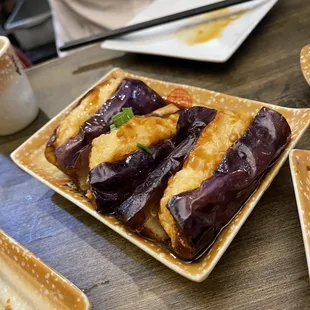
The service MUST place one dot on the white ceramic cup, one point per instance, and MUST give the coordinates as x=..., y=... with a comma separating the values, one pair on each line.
x=17, y=102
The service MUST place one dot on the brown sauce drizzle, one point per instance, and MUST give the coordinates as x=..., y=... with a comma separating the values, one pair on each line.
x=209, y=26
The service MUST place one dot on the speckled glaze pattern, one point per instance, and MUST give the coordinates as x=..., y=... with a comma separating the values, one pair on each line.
x=17, y=100
x=10, y=68
x=47, y=286
x=305, y=62
x=300, y=170
x=30, y=157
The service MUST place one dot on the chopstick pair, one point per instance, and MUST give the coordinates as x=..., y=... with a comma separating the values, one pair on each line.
x=151, y=23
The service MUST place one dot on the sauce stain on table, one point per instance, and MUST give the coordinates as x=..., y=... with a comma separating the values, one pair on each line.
x=208, y=26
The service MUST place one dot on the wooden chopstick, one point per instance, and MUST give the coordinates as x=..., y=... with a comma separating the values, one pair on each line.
x=151, y=23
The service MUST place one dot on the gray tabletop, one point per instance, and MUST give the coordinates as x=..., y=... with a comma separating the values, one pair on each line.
x=265, y=266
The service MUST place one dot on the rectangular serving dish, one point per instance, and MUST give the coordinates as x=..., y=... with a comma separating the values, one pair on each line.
x=164, y=39
x=300, y=170
x=30, y=157
x=28, y=283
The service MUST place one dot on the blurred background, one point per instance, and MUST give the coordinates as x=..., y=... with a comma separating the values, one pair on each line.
x=29, y=26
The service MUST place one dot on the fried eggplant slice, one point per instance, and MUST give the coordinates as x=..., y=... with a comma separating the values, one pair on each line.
x=112, y=183
x=69, y=146
x=71, y=124
x=122, y=142
x=116, y=155
x=138, y=209
x=207, y=154
x=202, y=213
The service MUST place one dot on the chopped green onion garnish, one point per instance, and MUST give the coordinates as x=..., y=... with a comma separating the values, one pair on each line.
x=118, y=116
x=112, y=127
x=120, y=120
x=144, y=148
x=122, y=117
x=128, y=112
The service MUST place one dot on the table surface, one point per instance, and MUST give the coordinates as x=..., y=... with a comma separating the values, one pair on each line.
x=265, y=266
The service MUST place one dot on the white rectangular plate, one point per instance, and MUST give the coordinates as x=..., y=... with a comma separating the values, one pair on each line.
x=224, y=37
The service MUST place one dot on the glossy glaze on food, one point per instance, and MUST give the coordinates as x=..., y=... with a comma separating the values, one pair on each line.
x=69, y=146
x=70, y=125
x=202, y=213
x=121, y=142
x=106, y=179
x=91, y=103
x=210, y=149
x=137, y=209
x=172, y=174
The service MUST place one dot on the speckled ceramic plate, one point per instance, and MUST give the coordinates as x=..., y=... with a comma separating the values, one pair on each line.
x=30, y=157
x=28, y=283
x=305, y=62
x=300, y=169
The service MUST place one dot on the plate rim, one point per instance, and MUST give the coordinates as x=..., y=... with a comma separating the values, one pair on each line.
x=292, y=161
x=306, y=47
x=46, y=266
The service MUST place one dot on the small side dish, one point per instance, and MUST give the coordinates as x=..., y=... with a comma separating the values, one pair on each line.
x=28, y=283
x=300, y=170
x=177, y=178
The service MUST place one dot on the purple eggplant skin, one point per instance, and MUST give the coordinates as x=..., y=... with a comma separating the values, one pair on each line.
x=131, y=93
x=135, y=210
x=201, y=214
x=112, y=183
